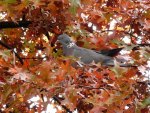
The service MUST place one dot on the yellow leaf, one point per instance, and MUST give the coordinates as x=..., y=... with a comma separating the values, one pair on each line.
x=127, y=27
x=20, y=97
x=120, y=28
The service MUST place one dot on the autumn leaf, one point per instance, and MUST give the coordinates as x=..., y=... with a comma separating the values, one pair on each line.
x=31, y=28
x=19, y=73
x=5, y=54
x=147, y=24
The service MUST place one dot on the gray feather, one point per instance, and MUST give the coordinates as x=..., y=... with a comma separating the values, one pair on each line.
x=86, y=56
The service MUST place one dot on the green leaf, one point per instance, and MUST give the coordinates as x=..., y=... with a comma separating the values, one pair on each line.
x=146, y=102
x=117, y=42
x=58, y=53
x=8, y=90
x=10, y=1
x=7, y=2
x=119, y=71
x=74, y=6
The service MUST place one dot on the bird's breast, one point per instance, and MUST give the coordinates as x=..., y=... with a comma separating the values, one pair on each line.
x=68, y=51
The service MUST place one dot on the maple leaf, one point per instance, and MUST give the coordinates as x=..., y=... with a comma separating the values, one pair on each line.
x=32, y=28
x=20, y=74
x=5, y=54
x=98, y=109
x=147, y=24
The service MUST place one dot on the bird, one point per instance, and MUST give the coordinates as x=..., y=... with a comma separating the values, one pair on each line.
x=88, y=56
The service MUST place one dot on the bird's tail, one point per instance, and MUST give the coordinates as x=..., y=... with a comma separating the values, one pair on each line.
x=127, y=65
x=115, y=63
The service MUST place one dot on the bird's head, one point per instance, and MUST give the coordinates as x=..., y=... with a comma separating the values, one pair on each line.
x=65, y=40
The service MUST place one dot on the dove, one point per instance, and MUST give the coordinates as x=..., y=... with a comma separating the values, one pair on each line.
x=88, y=56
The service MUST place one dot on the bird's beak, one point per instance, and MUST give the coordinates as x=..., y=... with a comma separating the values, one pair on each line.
x=58, y=41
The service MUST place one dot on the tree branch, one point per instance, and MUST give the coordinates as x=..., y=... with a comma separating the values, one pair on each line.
x=10, y=24
x=35, y=58
x=47, y=35
x=63, y=106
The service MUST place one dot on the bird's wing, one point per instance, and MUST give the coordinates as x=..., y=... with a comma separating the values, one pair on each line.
x=111, y=52
x=87, y=56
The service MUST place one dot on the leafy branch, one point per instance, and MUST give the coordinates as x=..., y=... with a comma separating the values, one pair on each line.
x=130, y=34
x=10, y=48
x=120, y=31
x=55, y=97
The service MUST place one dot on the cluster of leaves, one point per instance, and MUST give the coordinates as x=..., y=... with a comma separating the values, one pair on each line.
x=31, y=64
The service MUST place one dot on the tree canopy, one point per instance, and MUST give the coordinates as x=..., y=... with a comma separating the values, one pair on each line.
x=32, y=63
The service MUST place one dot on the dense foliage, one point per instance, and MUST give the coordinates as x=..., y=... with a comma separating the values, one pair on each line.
x=32, y=64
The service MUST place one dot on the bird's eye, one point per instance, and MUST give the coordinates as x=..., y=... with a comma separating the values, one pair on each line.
x=67, y=42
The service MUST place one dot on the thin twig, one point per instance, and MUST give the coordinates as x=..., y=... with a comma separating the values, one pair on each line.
x=90, y=88
x=34, y=58
x=63, y=106
x=120, y=31
x=47, y=35
x=8, y=47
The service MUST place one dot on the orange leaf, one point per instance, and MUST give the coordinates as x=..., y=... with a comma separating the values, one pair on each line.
x=130, y=73
x=98, y=75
